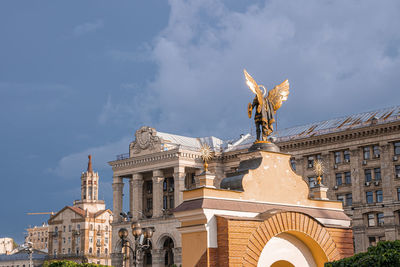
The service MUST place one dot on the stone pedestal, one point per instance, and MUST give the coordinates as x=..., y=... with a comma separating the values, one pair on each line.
x=320, y=192
x=205, y=179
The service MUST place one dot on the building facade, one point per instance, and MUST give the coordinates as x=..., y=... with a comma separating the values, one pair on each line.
x=160, y=166
x=82, y=232
x=7, y=245
x=361, y=154
x=38, y=236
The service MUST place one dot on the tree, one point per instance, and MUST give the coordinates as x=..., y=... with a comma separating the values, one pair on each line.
x=384, y=254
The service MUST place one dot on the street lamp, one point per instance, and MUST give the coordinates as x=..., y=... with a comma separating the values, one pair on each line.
x=142, y=239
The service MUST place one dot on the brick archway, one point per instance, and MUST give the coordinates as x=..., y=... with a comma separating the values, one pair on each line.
x=302, y=226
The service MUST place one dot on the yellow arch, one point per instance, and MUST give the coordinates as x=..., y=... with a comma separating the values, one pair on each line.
x=312, y=233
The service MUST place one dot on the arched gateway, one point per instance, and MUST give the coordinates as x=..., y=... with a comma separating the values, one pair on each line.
x=263, y=215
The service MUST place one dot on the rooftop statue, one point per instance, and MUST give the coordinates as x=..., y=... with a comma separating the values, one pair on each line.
x=265, y=106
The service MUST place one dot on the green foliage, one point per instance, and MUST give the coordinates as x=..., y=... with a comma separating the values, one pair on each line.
x=384, y=254
x=65, y=263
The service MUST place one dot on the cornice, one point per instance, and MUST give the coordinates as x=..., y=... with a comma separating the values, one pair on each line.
x=163, y=156
x=342, y=136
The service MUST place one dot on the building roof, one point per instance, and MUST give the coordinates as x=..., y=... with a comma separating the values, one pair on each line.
x=354, y=121
x=340, y=124
x=23, y=255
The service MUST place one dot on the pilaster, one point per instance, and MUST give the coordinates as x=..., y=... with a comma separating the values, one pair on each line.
x=356, y=175
x=387, y=173
x=179, y=183
x=157, y=258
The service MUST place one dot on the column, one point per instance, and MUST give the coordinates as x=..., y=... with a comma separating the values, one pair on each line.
x=118, y=187
x=158, y=177
x=137, y=185
x=179, y=183
x=157, y=258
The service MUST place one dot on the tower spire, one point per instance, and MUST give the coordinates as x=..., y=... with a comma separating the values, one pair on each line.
x=89, y=167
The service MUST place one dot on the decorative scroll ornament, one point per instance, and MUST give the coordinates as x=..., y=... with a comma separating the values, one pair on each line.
x=206, y=155
x=146, y=138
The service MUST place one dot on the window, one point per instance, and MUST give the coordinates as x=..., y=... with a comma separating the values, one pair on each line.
x=106, y=228
x=396, y=148
x=293, y=163
x=397, y=171
x=346, y=156
x=69, y=250
x=398, y=193
x=368, y=176
x=171, y=202
x=372, y=240
x=340, y=198
x=106, y=251
x=377, y=151
x=149, y=204
x=165, y=185
x=370, y=197
x=377, y=174
x=56, y=229
x=64, y=228
x=379, y=196
x=349, y=199
x=371, y=219
x=90, y=250
x=380, y=218
x=165, y=202
x=69, y=240
x=311, y=182
x=366, y=152
x=347, y=177
x=338, y=158
x=310, y=161
x=149, y=187
x=98, y=228
x=338, y=179
x=55, y=252
x=63, y=251
x=78, y=227
x=106, y=240
x=69, y=228
x=91, y=227
x=90, y=239
x=64, y=240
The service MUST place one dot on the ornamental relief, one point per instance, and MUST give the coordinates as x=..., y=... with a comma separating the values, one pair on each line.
x=146, y=139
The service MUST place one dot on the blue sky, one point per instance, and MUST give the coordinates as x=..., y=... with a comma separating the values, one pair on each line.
x=79, y=77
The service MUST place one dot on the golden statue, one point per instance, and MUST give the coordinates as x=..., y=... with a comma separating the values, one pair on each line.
x=206, y=155
x=265, y=105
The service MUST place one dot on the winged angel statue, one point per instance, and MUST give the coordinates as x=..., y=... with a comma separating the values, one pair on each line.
x=265, y=105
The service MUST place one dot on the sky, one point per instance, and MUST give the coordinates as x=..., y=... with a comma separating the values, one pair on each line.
x=80, y=77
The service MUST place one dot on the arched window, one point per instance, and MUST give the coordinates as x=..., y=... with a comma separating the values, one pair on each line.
x=169, y=254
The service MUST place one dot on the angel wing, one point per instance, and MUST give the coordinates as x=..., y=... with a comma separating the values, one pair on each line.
x=279, y=94
x=251, y=83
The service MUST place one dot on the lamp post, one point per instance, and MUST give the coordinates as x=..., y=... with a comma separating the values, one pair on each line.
x=142, y=239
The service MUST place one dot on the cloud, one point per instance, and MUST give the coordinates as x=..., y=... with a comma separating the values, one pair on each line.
x=340, y=57
x=88, y=27
x=71, y=166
